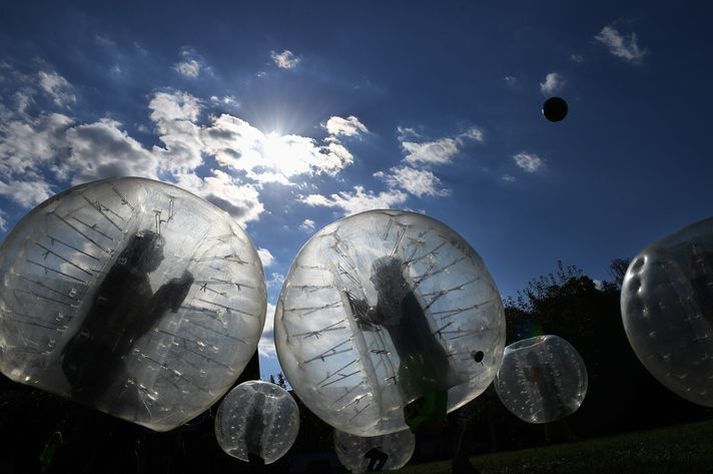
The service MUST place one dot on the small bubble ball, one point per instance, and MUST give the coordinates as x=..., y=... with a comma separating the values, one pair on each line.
x=555, y=109
x=542, y=379
x=258, y=418
x=131, y=296
x=667, y=308
x=383, y=313
x=376, y=453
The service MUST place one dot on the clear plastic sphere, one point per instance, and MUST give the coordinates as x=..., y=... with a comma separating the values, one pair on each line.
x=385, y=308
x=258, y=418
x=542, y=379
x=132, y=296
x=376, y=453
x=667, y=308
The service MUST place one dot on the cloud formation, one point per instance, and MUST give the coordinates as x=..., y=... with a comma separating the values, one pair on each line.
x=528, y=162
x=285, y=59
x=623, y=46
x=266, y=346
x=36, y=151
x=348, y=127
x=307, y=225
x=553, y=83
x=265, y=257
x=418, y=182
x=357, y=201
x=58, y=88
x=102, y=150
x=190, y=68
x=441, y=151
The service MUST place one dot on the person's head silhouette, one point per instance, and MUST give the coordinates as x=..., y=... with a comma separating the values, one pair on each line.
x=387, y=275
x=144, y=253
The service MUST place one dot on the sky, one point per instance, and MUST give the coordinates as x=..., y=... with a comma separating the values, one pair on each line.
x=290, y=115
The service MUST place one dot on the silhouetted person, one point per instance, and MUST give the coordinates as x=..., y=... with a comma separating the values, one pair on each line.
x=425, y=374
x=377, y=459
x=552, y=400
x=254, y=427
x=123, y=310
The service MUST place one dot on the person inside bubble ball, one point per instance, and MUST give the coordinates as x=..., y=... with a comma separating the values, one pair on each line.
x=254, y=427
x=425, y=373
x=123, y=310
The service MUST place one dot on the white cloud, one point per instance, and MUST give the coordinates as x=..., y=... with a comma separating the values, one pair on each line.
x=433, y=153
x=27, y=193
x=472, y=133
x=349, y=127
x=510, y=80
x=225, y=100
x=102, y=150
x=27, y=143
x=406, y=133
x=266, y=346
x=265, y=257
x=174, y=114
x=190, y=68
x=58, y=88
x=285, y=59
x=240, y=200
x=52, y=148
x=307, y=225
x=508, y=178
x=528, y=162
x=577, y=58
x=358, y=201
x=441, y=151
x=414, y=181
x=168, y=106
x=621, y=45
x=553, y=83
x=271, y=158
x=3, y=222
x=24, y=99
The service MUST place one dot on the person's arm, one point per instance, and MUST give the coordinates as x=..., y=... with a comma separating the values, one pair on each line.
x=169, y=296
x=366, y=316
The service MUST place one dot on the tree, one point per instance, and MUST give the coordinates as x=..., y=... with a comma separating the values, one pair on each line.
x=617, y=270
x=567, y=303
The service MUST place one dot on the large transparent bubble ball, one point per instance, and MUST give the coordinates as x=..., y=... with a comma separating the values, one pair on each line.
x=542, y=379
x=132, y=296
x=376, y=453
x=667, y=308
x=383, y=308
x=258, y=418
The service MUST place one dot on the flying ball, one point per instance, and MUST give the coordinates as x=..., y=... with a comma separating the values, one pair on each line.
x=542, y=379
x=388, y=319
x=258, y=418
x=667, y=308
x=131, y=296
x=555, y=109
x=386, y=452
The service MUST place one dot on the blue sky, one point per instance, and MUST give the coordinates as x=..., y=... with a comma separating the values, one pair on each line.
x=292, y=114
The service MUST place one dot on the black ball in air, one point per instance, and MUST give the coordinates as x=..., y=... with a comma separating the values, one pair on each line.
x=554, y=109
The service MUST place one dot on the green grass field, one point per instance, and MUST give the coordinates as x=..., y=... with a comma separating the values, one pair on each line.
x=680, y=449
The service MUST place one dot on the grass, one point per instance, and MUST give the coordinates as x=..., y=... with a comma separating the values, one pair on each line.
x=678, y=449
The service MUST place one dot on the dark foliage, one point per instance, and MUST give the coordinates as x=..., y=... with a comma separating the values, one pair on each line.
x=622, y=395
